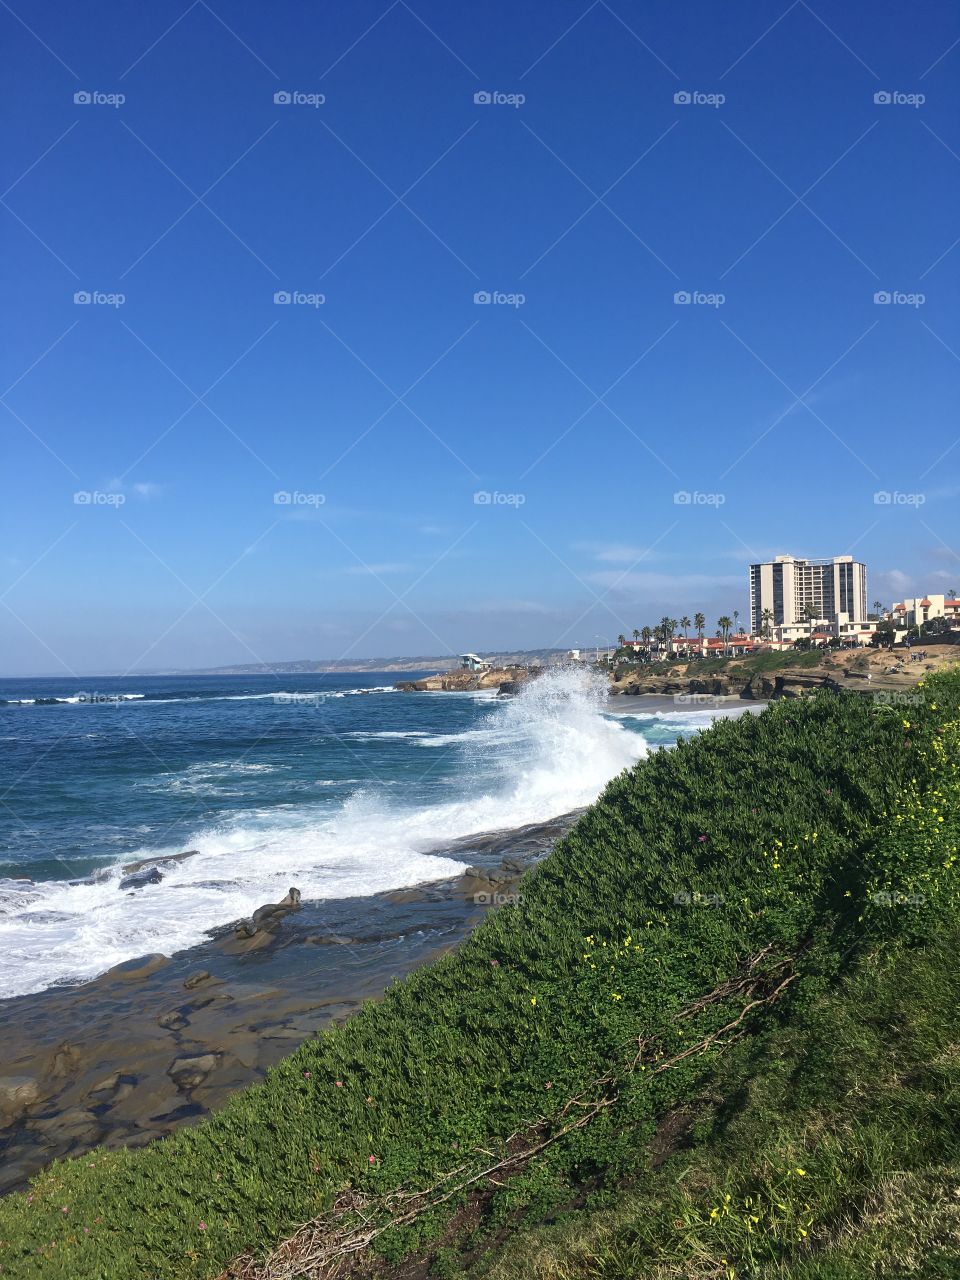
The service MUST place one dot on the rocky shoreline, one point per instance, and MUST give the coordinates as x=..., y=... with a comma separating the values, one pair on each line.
x=503, y=679
x=870, y=671
x=158, y=1042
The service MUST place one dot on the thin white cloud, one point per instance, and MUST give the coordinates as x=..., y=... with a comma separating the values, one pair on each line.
x=377, y=570
x=668, y=585
x=617, y=552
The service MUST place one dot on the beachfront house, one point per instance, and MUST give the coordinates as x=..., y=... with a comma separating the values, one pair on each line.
x=471, y=662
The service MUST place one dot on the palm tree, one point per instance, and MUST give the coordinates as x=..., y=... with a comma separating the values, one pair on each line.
x=725, y=624
x=699, y=621
x=636, y=634
x=878, y=607
x=685, y=623
x=766, y=617
x=736, y=616
x=621, y=641
x=646, y=635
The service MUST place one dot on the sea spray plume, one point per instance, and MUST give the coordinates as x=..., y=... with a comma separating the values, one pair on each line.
x=562, y=749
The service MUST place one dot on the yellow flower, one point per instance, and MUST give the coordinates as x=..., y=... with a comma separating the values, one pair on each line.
x=800, y=1172
x=533, y=999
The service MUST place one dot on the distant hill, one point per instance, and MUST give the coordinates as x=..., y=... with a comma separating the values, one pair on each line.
x=319, y=666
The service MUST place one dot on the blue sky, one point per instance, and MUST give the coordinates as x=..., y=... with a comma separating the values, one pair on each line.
x=781, y=197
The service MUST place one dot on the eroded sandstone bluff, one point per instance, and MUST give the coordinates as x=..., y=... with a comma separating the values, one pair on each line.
x=506, y=679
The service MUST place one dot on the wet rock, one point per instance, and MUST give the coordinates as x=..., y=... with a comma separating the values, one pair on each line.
x=269, y=914
x=188, y=1073
x=67, y=1126
x=66, y=1062
x=111, y=1090
x=500, y=877
x=16, y=1094
x=141, y=967
x=151, y=875
x=330, y=940
x=172, y=1021
x=107, y=1085
x=130, y=868
x=194, y=979
x=474, y=873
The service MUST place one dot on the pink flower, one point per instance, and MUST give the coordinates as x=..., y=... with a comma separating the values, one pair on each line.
x=701, y=839
x=64, y=1209
x=494, y=964
x=338, y=1083
x=306, y=1075
x=371, y=1159
x=203, y=1226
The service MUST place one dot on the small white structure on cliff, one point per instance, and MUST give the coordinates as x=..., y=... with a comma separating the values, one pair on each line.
x=471, y=662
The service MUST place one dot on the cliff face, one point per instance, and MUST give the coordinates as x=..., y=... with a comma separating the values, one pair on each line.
x=466, y=681
x=868, y=670
x=728, y=684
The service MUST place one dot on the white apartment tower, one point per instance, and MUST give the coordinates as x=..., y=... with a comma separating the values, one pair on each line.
x=789, y=587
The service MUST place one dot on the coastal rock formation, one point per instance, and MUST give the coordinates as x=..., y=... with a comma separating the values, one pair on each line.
x=16, y=1094
x=468, y=681
x=188, y=1073
x=269, y=914
x=866, y=669
x=130, y=868
x=150, y=875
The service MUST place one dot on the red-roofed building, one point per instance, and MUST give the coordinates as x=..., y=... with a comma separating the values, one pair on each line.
x=914, y=613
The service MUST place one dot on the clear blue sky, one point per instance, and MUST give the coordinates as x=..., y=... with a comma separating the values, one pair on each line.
x=599, y=197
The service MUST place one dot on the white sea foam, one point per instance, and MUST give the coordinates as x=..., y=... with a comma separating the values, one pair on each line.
x=543, y=753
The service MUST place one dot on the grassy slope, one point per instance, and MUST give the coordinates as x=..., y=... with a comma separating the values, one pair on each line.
x=860, y=1092
x=760, y=834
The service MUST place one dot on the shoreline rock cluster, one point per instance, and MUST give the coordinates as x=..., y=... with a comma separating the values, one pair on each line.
x=503, y=679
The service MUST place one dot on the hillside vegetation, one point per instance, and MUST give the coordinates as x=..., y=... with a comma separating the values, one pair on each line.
x=780, y=890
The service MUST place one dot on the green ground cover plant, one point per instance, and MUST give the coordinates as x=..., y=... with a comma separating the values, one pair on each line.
x=714, y=891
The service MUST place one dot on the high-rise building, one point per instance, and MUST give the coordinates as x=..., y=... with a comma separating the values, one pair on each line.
x=794, y=589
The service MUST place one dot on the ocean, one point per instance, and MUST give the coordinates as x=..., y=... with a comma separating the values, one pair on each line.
x=337, y=784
